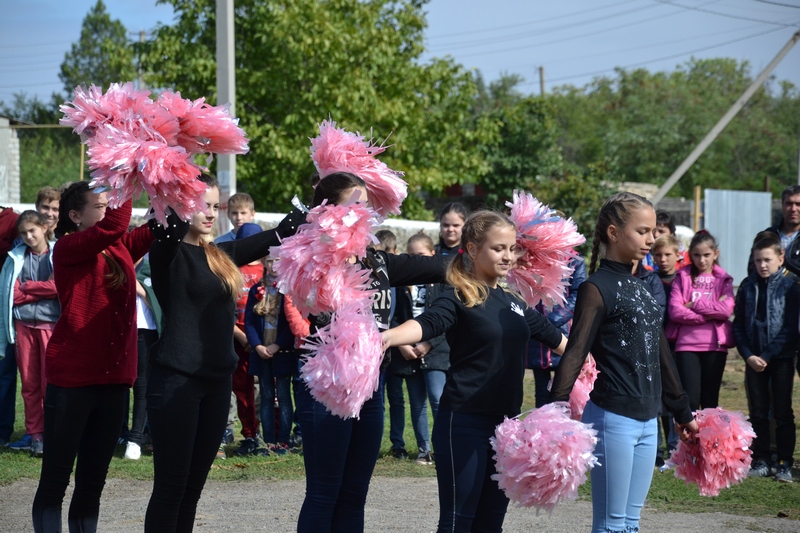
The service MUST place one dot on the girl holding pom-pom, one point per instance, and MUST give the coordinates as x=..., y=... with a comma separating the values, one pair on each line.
x=189, y=385
x=617, y=318
x=91, y=359
x=488, y=329
x=340, y=454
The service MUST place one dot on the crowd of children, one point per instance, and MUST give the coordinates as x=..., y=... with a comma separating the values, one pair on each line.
x=191, y=374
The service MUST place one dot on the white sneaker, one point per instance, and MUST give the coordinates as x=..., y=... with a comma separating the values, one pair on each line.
x=133, y=451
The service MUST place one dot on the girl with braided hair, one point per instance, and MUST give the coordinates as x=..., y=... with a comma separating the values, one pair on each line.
x=619, y=321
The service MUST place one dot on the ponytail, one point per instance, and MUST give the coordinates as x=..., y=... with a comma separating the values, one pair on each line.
x=222, y=267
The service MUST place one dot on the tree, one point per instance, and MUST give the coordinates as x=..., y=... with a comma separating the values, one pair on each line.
x=357, y=61
x=101, y=56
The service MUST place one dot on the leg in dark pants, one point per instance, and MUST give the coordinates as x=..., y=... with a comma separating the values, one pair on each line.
x=775, y=383
x=701, y=376
x=187, y=419
x=469, y=500
x=339, y=457
x=8, y=392
x=82, y=422
x=541, y=378
x=147, y=337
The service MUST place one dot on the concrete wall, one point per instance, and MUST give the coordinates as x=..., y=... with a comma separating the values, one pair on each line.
x=9, y=164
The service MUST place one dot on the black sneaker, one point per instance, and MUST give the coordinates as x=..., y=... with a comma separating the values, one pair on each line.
x=227, y=437
x=399, y=453
x=784, y=473
x=249, y=447
x=424, y=458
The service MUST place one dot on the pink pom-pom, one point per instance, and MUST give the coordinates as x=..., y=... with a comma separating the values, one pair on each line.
x=205, y=128
x=548, y=242
x=137, y=145
x=543, y=459
x=343, y=366
x=582, y=388
x=337, y=150
x=314, y=266
x=720, y=456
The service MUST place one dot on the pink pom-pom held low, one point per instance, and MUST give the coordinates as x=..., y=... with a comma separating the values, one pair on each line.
x=542, y=459
x=582, y=388
x=720, y=455
x=548, y=243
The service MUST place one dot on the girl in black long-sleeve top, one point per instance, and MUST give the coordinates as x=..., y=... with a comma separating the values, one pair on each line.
x=488, y=329
x=189, y=386
x=619, y=320
x=340, y=455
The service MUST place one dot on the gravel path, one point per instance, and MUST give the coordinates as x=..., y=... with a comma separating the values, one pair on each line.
x=394, y=505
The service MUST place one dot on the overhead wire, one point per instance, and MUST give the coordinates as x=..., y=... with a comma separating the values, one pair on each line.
x=728, y=15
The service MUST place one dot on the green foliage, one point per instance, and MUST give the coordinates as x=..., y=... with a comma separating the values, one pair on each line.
x=649, y=122
x=356, y=61
x=48, y=156
x=101, y=56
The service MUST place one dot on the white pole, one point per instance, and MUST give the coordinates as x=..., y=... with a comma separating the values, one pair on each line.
x=724, y=121
x=226, y=93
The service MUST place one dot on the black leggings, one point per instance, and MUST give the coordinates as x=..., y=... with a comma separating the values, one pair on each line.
x=82, y=422
x=187, y=418
x=147, y=337
x=701, y=376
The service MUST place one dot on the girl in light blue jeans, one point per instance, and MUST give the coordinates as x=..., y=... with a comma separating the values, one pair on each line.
x=619, y=321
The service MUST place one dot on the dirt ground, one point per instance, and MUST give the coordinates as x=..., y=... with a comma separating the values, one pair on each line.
x=394, y=505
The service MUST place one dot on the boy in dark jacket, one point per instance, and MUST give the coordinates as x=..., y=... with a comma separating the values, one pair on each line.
x=766, y=332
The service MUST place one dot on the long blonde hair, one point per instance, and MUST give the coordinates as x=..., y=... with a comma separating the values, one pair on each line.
x=469, y=289
x=218, y=261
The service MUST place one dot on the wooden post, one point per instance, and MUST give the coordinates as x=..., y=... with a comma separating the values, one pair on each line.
x=83, y=156
x=697, y=215
x=767, y=184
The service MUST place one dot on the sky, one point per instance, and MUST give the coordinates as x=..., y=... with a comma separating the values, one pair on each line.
x=573, y=40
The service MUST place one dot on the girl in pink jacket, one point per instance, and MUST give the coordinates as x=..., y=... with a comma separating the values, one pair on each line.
x=700, y=306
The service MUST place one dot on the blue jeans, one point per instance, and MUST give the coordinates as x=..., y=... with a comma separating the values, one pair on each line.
x=415, y=384
x=541, y=379
x=434, y=383
x=339, y=457
x=626, y=449
x=772, y=388
x=268, y=385
x=8, y=392
x=469, y=499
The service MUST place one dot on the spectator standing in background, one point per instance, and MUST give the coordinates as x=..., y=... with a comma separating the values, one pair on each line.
x=451, y=222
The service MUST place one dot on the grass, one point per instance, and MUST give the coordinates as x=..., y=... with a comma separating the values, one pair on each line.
x=753, y=497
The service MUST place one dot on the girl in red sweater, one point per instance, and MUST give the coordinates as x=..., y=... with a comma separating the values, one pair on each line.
x=91, y=358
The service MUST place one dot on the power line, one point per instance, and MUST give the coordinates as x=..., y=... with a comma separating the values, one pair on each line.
x=657, y=59
x=19, y=46
x=778, y=4
x=527, y=35
x=572, y=38
x=700, y=9
x=525, y=24
x=628, y=49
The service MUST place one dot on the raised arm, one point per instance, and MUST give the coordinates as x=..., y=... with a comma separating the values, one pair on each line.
x=253, y=248
x=168, y=238
x=590, y=311
x=82, y=246
x=138, y=241
x=405, y=269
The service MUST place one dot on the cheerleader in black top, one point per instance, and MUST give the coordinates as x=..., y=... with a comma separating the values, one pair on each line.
x=619, y=321
x=488, y=329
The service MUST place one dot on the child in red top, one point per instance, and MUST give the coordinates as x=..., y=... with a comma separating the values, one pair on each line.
x=91, y=358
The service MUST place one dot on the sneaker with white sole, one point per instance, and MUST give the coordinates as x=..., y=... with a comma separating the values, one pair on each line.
x=784, y=473
x=22, y=444
x=759, y=469
x=133, y=451
x=424, y=458
x=37, y=447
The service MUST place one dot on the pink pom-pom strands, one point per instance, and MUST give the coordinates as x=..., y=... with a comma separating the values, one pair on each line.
x=337, y=150
x=548, y=243
x=139, y=145
x=720, y=456
x=543, y=458
x=584, y=385
x=342, y=367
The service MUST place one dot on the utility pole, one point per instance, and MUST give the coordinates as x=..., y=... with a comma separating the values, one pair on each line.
x=541, y=81
x=141, y=84
x=226, y=93
x=724, y=121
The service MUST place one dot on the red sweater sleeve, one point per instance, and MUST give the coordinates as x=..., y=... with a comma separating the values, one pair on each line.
x=299, y=325
x=40, y=289
x=138, y=241
x=85, y=245
x=8, y=231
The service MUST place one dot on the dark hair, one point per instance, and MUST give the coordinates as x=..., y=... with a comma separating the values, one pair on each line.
x=664, y=218
x=332, y=186
x=701, y=237
x=454, y=207
x=74, y=198
x=767, y=239
x=387, y=241
x=617, y=211
x=32, y=216
x=46, y=194
x=791, y=190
